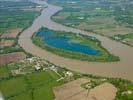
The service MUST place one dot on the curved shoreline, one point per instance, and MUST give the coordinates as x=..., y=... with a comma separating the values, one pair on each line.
x=122, y=69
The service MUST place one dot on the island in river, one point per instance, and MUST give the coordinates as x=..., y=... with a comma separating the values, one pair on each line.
x=73, y=46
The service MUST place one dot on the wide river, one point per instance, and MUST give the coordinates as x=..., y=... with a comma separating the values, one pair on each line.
x=122, y=69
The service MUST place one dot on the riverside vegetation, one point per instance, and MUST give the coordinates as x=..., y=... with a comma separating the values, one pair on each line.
x=52, y=41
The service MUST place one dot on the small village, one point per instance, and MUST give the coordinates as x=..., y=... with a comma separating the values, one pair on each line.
x=35, y=64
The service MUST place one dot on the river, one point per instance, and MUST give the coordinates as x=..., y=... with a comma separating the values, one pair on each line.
x=121, y=69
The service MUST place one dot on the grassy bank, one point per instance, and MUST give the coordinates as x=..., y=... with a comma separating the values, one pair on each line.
x=103, y=56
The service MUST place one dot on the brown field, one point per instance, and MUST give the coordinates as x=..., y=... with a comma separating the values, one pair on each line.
x=114, y=31
x=105, y=91
x=12, y=33
x=11, y=57
x=130, y=42
x=74, y=91
x=33, y=9
x=6, y=43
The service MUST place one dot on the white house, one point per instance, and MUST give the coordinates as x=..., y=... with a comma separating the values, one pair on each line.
x=37, y=67
x=68, y=73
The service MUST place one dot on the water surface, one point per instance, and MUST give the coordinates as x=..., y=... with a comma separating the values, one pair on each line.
x=63, y=42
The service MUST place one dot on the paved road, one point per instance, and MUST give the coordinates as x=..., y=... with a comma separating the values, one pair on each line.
x=122, y=69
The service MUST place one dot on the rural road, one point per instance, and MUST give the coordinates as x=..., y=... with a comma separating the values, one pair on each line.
x=121, y=69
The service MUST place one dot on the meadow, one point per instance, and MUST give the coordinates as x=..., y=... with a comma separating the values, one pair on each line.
x=33, y=86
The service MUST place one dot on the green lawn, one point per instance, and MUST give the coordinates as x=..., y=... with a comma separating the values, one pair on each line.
x=4, y=72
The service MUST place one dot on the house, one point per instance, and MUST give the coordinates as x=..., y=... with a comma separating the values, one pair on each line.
x=117, y=38
x=37, y=67
x=53, y=68
x=15, y=72
x=68, y=73
x=30, y=59
x=45, y=69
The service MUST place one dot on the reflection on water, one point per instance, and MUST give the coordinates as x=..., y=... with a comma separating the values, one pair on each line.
x=63, y=42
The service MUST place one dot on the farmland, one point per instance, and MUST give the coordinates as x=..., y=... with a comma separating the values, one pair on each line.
x=34, y=78
x=10, y=57
x=107, y=18
x=14, y=18
x=28, y=86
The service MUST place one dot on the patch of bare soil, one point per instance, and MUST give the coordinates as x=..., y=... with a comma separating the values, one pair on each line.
x=74, y=91
x=4, y=43
x=33, y=9
x=105, y=91
x=12, y=33
x=71, y=90
x=11, y=57
x=114, y=31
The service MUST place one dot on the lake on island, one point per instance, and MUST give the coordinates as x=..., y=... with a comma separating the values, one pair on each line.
x=63, y=42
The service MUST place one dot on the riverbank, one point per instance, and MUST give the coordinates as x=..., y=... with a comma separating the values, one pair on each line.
x=122, y=69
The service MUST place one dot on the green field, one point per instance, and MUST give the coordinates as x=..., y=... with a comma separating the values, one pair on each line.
x=31, y=86
x=4, y=73
x=103, y=56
